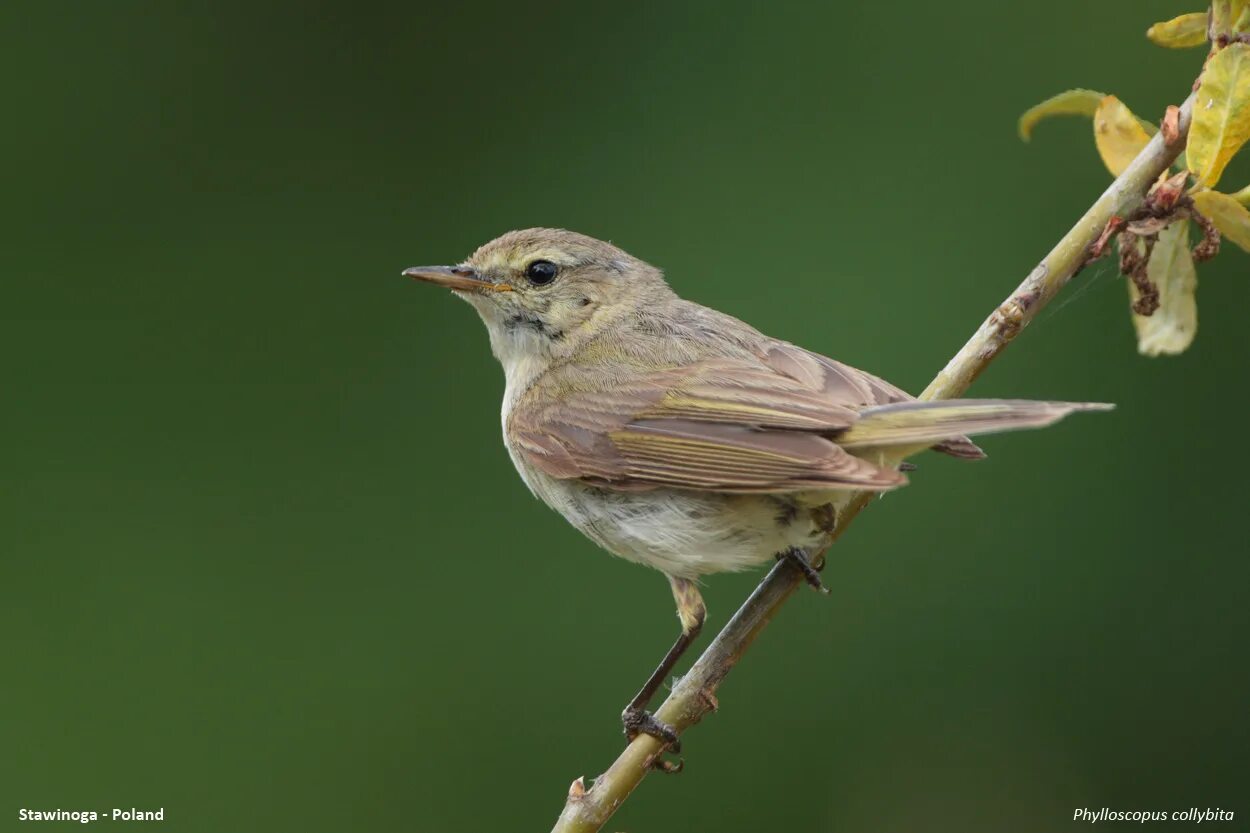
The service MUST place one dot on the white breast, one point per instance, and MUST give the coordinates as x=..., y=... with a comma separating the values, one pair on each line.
x=683, y=533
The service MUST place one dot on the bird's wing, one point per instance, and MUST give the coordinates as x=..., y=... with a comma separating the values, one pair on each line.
x=760, y=424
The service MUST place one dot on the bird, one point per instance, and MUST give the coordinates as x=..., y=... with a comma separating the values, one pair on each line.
x=681, y=438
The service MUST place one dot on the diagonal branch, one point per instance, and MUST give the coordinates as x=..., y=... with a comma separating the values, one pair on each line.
x=587, y=810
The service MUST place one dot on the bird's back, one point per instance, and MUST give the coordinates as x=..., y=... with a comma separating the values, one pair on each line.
x=682, y=334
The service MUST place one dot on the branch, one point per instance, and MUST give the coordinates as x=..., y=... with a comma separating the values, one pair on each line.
x=587, y=810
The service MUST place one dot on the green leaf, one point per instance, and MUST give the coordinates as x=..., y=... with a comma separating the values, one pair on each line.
x=1221, y=120
x=1230, y=216
x=1172, y=327
x=1180, y=32
x=1118, y=134
x=1067, y=103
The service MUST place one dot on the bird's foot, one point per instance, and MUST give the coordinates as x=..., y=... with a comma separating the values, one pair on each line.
x=797, y=557
x=642, y=722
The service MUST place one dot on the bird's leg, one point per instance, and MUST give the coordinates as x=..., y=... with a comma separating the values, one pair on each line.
x=636, y=719
x=798, y=557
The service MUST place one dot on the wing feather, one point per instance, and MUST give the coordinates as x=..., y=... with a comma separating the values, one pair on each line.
x=722, y=424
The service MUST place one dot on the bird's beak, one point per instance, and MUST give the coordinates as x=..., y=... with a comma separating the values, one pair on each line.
x=462, y=278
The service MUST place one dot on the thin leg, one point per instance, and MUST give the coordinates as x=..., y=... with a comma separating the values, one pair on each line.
x=691, y=611
x=798, y=557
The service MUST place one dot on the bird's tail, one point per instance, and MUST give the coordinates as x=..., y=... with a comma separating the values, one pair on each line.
x=944, y=424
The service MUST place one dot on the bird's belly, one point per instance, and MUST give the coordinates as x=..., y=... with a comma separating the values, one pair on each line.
x=683, y=533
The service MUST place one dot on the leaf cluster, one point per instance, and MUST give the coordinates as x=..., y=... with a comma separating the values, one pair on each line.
x=1156, y=250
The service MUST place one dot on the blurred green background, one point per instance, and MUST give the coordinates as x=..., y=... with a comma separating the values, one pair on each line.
x=266, y=563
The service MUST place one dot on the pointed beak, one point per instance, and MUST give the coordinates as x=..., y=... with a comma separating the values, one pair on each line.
x=460, y=278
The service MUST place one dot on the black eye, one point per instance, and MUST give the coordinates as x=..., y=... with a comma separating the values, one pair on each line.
x=541, y=272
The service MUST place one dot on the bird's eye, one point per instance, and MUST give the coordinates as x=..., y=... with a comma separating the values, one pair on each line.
x=541, y=272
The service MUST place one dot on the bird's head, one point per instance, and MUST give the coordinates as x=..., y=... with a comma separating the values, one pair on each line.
x=545, y=292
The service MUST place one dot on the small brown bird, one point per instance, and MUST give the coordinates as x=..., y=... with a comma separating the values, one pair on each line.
x=679, y=437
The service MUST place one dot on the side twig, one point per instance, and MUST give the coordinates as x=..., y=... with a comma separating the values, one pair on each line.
x=588, y=809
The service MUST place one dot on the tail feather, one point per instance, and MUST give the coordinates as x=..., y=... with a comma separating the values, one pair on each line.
x=961, y=447
x=945, y=423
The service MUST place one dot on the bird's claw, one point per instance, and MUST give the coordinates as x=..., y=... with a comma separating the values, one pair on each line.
x=669, y=767
x=797, y=557
x=642, y=722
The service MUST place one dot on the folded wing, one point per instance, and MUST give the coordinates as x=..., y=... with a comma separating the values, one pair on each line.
x=729, y=425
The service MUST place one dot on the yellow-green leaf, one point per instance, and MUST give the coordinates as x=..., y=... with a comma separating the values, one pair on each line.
x=1067, y=103
x=1230, y=216
x=1221, y=121
x=1240, y=13
x=1229, y=17
x=1118, y=134
x=1172, y=327
x=1180, y=32
x=1242, y=196
x=1219, y=16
